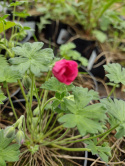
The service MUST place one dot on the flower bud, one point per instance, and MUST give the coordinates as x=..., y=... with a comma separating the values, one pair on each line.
x=26, y=82
x=9, y=132
x=20, y=137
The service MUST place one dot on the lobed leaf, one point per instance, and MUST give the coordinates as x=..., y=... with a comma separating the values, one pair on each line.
x=8, y=152
x=2, y=97
x=32, y=58
x=54, y=85
x=8, y=25
x=83, y=96
x=67, y=51
x=103, y=151
x=87, y=118
x=8, y=75
x=3, y=62
x=116, y=73
x=116, y=110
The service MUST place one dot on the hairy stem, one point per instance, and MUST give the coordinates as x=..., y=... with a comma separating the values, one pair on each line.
x=52, y=131
x=11, y=103
x=71, y=149
x=84, y=139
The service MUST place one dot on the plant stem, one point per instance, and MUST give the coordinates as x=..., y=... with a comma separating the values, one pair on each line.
x=53, y=124
x=51, y=116
x=52, y=131
x=63, y=135
x=90, y=9
x=104, y=8
x=31, y=96
x=37, y=96
x=113, y=89
x=54, y=135
x=43, y=106
x=84, y=139
x=27, y=105
x=11, y=103
x=47, y=77
x=24, y=129
x=14, y=9
x=4, y=31
x=9, y=52
x=108, y=132
x=71, y=138
x=71, y=149
x=22, y=90
x=48, y=101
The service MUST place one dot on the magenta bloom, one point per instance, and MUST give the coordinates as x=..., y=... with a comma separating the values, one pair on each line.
x=65, y=71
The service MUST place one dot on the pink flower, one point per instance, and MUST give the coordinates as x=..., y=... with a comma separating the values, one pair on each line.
x=65, y=71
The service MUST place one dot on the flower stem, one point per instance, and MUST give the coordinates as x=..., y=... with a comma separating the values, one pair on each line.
x=11, y=103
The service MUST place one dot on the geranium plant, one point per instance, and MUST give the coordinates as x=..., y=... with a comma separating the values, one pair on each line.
x=62, y=119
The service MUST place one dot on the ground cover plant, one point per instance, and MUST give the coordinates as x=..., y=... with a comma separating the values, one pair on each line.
x=49, y=130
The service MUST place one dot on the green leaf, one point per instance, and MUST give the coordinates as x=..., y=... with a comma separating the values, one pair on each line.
x=2, y=162
x=8, y=75
x=9, y=153
x=103, y=151
x=116, y=73
x=3, y=62
x=87, y=118
x=32, y=58
x=54, y=85
x=66, y=51
x=83, y=96
x=100, y=35
x=2, y=97
x=44, y=20
x=64, y=48
x=5, y=16
x=55, y=104
x=8, y=25
x=22, y=14
x=113, y=84
x=16, y=3
x=104, y=23
x=116, y=111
